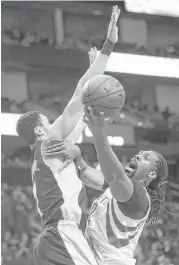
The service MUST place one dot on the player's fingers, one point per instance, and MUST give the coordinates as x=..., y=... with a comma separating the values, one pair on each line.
x=54, y=150
x=52, y=142
x=85, y=119
x=102, y=116
x=91, y=113
x=48, y=154
x=118, y=13
x=90, y=51
x=109, y=120
x=95, y=50
x=113, y=9
x=53, y=146
x=87, y=113
x=115, y=16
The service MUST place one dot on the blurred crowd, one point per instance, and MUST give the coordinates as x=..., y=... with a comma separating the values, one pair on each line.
x=134, y=108
x=29, y=39
x=21, y=224
x=14, y=161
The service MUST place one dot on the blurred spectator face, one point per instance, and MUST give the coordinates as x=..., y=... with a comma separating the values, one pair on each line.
x=141, y=165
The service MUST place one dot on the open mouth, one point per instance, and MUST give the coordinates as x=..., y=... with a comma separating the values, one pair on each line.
x=131, y=168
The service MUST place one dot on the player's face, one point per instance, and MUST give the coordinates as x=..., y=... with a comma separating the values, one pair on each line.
x=141, y=164
x=46, y=124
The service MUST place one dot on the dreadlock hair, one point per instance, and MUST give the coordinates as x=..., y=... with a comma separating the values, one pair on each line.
x=156, y=192
x=26, y=124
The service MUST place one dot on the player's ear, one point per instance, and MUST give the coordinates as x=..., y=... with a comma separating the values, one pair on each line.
x=152, y=175
x=38, y=131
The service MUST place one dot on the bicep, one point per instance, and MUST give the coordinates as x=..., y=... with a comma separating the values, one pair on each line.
x=138, y=204
x=65, y=124
x=121, y=189
x=75, y=134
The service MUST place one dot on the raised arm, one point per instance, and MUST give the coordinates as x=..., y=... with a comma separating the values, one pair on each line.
x=79, y=128
x=65, y=124
x=121, y=186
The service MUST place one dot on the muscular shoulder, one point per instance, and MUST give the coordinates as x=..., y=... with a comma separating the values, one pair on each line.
x=138, y=204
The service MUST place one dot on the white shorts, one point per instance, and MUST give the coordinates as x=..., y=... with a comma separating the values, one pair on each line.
x=76, y=243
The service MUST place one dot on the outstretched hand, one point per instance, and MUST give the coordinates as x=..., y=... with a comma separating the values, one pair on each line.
x=92, y=55
x=112, y=34
x=95, y=123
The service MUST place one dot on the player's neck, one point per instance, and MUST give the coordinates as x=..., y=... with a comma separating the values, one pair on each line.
x=40, y=138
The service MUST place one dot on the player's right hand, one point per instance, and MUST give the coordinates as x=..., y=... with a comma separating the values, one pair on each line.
x=112, y=34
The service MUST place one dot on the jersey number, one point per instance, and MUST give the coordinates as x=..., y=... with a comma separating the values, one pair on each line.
x=101, y=201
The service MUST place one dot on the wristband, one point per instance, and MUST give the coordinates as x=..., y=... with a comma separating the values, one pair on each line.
x=108, y=47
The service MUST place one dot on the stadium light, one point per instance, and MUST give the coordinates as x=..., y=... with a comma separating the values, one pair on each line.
x=8, y=123
x=143, y=65
x=116, y=140
x=155, y=7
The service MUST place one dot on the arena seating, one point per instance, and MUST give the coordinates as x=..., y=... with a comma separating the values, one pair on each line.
x=150, y=116
x=28, y=39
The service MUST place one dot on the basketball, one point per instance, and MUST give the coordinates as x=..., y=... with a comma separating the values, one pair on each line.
x=103, y=93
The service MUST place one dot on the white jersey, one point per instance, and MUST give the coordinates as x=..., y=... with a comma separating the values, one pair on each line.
x=112, y=235
x=60, y=194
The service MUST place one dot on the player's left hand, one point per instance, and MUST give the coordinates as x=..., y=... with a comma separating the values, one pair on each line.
x=95, y=123
x=112, y=34
x=62, y=148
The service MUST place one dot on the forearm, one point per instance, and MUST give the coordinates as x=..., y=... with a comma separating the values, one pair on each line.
x=110, y=165
x=91, y=176
x=98, y=67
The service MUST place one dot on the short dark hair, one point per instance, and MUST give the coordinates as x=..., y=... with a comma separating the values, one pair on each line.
x=26, y=124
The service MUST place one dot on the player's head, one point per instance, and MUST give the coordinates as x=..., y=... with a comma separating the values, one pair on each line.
x=32, y=126
x=151, y=169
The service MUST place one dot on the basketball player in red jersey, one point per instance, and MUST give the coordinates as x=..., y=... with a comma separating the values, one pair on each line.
x=58, y=190
x=133, y=197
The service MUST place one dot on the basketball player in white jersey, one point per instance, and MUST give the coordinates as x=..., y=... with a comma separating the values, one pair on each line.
x=133, y=197
x=58, y=190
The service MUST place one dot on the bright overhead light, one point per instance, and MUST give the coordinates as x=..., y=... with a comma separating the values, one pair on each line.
x=154, y=7
x=116, y=140
x=8, y=123
x=143, y=65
